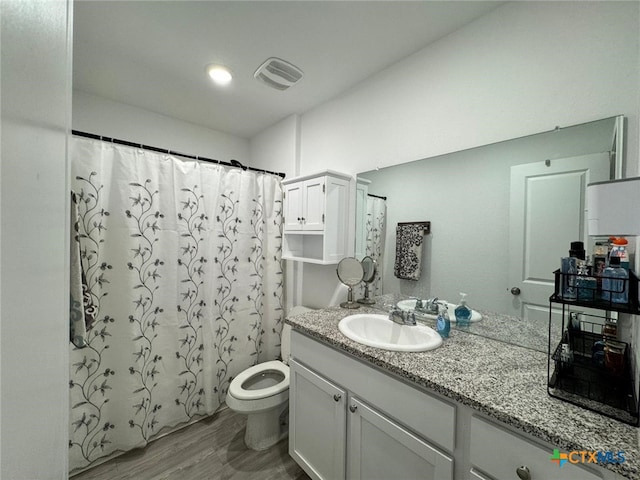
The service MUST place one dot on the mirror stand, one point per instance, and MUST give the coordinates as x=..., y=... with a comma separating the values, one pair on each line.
x=350, y=303
x=366, y=300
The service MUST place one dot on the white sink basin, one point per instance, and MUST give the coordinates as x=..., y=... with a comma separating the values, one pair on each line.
x=380, y=332
x=410, y=304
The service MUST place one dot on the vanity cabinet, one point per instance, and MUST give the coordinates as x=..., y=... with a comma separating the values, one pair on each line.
x=501, y=454
x=316, y=212
x=317, y=419
x=351, y=420
x=334, y=433
x=381, y=448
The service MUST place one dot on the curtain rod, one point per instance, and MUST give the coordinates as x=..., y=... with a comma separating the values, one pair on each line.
x=376, y=196
x=230, y=163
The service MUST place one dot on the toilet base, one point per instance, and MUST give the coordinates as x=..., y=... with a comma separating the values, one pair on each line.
x=265, y=429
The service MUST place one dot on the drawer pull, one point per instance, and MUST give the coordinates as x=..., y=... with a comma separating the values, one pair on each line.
x=523, y=473
x=353, y=408
x=337, y=397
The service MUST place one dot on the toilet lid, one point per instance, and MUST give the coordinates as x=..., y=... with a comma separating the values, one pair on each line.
x=253, y=375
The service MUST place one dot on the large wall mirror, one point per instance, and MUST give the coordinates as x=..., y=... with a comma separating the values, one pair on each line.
x=501, y=217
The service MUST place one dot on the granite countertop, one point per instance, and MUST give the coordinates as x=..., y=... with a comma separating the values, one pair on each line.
x=503, y=381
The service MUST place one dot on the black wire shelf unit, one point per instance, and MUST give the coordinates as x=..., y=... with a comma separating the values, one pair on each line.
x=589, y=365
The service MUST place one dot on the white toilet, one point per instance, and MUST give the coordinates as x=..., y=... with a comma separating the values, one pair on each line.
x=262, y=393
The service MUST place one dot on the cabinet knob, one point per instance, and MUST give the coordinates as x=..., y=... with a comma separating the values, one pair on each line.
x=515, y=291
x=523, y=473
x=299, y=219
x=337, y=397
x=353, y=408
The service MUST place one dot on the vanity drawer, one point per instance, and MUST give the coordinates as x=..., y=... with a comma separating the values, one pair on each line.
x=428, y=416
x=498, y=453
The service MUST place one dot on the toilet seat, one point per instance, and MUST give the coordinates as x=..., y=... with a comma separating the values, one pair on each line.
x=236, y=387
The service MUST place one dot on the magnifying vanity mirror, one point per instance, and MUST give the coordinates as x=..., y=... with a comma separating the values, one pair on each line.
x=370, y=268
x=350, y=272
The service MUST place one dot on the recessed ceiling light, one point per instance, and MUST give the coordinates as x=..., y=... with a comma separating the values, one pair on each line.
x=219, y=74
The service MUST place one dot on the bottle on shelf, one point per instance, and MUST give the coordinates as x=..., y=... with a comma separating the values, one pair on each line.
x=586, y=285
x=577, y=250
x=599, y=261
x=619, y=249
x=615, y=282
x=569, y=270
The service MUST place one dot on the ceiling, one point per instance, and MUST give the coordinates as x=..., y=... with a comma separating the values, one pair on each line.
x=153, y=55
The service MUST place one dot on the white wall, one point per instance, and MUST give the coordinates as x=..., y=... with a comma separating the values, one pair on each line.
x=523, y=68
x=108, y=118
x=36, y=106
x=277, y=148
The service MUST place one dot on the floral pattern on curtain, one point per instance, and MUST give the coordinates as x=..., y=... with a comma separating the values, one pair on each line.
x=375, y=228
x=182, y=261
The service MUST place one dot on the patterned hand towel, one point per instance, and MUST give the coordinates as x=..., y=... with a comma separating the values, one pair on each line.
x=409, y=238
x=81, y=309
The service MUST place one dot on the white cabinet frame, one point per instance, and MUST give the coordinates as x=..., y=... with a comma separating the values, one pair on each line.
x=316, y=217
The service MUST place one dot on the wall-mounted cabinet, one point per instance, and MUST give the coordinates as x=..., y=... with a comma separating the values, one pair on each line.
x=316, y=212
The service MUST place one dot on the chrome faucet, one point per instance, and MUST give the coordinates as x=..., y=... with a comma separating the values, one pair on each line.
x=431, y=305
x=401, y=317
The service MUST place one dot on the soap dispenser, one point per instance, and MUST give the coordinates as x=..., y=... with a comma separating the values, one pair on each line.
x=463, y=312
x=443, y=323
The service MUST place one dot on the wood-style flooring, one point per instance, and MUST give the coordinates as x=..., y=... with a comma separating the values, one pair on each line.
x=210, y=449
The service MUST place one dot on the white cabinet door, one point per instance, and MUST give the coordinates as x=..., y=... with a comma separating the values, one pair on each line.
x=293, y=207
x=304, y=205
x=317, y=423
x=500, y=453
x=313, y=204
x=381, y=449
x=474, y=475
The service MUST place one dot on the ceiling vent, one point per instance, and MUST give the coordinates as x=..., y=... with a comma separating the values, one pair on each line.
x=278, y=73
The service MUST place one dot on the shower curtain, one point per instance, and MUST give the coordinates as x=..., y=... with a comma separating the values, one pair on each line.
x=375, y=230
x=182, y=269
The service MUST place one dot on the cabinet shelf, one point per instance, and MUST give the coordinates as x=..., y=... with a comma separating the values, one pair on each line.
x=592, y=376
x=598, y=302
x=587, y=365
